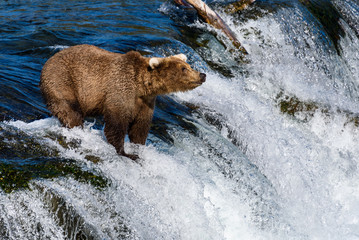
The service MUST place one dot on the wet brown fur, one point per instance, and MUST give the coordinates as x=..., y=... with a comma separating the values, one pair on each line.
x=85, y=80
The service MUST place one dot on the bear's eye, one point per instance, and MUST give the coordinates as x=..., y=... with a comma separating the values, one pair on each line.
x=184, y=70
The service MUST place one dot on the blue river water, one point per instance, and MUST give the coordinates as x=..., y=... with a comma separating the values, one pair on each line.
x=266, y=148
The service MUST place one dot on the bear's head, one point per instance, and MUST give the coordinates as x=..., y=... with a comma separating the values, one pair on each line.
x=173, y=74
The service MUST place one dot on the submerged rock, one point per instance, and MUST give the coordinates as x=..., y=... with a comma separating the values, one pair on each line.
x=24, y=157
x=294, y=107
x=17, y=174
x=328, y=16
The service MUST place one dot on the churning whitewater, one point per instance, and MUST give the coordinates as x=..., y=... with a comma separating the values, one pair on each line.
x=266, y=148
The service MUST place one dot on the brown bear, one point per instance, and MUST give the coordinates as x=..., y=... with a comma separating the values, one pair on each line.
x=85, y=80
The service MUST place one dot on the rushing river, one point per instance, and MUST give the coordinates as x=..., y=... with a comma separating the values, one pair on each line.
x=266, y=148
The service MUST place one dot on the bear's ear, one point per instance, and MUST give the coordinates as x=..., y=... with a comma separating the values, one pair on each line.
x=181, y=57
x=154, y=62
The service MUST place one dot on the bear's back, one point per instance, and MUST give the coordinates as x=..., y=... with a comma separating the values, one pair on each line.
x=82, y=73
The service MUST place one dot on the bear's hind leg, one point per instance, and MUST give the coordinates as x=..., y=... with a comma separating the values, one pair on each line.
x=69, y=114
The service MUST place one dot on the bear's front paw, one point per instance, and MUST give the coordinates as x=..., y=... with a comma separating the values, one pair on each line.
x=134, y=157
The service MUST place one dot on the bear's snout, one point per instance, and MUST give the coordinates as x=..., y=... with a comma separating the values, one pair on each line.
x=202, y=77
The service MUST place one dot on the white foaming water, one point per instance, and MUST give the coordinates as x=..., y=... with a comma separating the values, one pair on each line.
x=178, y=195
x=311, y=165
x=282, y=179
